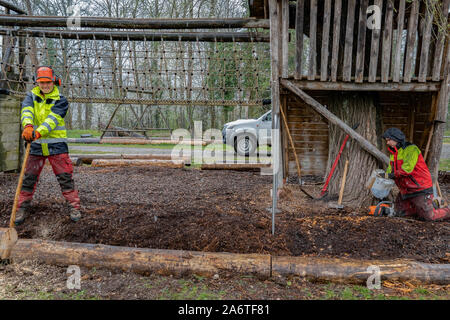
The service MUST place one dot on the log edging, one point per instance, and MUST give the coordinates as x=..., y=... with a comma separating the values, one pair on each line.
x=179, y=262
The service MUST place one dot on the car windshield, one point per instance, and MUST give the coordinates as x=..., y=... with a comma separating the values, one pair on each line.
x=267, y=116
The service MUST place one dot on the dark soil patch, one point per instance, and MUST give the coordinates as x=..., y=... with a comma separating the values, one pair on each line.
x=219, y=211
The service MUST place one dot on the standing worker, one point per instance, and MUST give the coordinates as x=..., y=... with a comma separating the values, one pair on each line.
x=43, y=112
x=413, y=179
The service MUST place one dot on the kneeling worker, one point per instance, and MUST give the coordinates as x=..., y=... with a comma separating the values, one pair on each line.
x=42, y=115
x=413, y=179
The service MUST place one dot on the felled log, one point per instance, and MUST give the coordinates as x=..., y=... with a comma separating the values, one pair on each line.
x=138, y=162
x=88, y=158
x=358, y=271
x=142, y=260
x=138, y=260
x=152, y=141
x=235, y=166
x=83, y=140
x=122, y=132
x=76, y=161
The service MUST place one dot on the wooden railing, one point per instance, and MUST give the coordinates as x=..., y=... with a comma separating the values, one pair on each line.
x=338, y=42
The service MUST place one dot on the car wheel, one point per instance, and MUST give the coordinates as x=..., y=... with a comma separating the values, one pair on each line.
x=245, y=145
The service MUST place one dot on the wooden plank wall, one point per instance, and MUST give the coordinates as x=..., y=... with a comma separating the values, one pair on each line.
x=309, y=132
x=410, y=112
x=9, y=133
x=364, y=54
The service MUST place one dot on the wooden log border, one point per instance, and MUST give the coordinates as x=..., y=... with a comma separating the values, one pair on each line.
x=180, y=262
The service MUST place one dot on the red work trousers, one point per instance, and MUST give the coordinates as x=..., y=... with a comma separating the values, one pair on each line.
x=421, y=206
x=62, y=168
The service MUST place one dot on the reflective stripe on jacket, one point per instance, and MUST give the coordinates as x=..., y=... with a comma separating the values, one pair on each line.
x=46, y=114
x=411, y=172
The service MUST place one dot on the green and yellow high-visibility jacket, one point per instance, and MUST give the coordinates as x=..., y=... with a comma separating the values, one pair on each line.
x=412, y=175
x=46, y=114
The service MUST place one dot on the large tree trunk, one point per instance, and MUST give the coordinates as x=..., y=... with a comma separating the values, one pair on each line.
x=353, y=108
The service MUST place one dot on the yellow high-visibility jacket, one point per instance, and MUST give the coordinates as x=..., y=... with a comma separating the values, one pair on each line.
x=46, y=114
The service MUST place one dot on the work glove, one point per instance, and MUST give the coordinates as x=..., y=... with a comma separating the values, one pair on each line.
x=29, y=134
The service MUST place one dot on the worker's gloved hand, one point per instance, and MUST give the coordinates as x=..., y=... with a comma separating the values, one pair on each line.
x=36, y=135
x=27, y=133
x=391, y=175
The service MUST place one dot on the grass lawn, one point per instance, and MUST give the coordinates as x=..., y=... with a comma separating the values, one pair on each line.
x=444, y=165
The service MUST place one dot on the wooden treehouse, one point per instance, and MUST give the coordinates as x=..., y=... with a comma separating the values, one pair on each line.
x=399, y=61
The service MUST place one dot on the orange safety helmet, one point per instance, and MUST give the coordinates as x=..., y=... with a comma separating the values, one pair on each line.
x=44, y=73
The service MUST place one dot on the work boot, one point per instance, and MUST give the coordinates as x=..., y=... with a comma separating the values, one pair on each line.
x=75, y=214
x=21, y=214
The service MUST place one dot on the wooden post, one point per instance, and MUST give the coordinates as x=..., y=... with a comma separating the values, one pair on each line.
x=336, y=37
x=285, y=38
x=398, y=45
x=361, y=45
x=275, y=86
x=423, y=67
x=440, y=120
x=366, y=145
x=375, y=48
x=312, y=41
x=439, y=49
x=325, y=38
x=387, y=43
x=348, y=50
x=299, y=21
x=411, y=40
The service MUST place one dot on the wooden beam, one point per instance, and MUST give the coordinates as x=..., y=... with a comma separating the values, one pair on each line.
x=440, y=43
x=423, y=66
x=348, y=50
x=375, y=47
x=312, y=41
x=133, y=23
x=139, y=35
x=411, y=40
x=336, y=37
x=376, y=86
x=366, y=145
x=398, y=46
x=361, y=45
x=325, y=38
x=299, y=21
x=387, y=42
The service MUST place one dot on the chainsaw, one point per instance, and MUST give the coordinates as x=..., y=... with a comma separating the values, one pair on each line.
x=382, y=209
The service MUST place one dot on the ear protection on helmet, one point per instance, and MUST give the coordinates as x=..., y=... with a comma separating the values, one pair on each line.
x=49, y=73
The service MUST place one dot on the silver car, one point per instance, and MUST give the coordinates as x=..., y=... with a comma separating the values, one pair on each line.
x=246, y=135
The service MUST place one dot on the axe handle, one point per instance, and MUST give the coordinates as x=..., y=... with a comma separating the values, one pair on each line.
x=19, y=186
x=344, y=177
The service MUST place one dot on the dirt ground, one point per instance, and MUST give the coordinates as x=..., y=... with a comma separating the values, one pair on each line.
x=219, y=211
